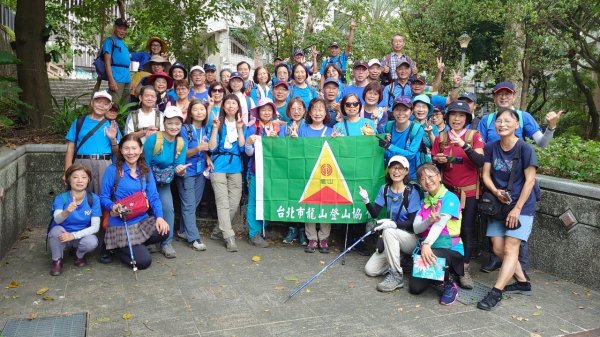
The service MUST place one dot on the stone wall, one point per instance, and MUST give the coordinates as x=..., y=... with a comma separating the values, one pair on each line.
x=30, y=178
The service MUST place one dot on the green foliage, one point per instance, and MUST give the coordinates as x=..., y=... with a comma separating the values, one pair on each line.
x=571, y=157
x=64, y=115
x=10, y=102
x=123, y=113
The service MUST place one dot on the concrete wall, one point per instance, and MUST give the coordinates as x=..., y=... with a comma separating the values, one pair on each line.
x=30, y=177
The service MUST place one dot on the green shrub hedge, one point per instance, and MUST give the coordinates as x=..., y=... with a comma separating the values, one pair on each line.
x=571, y=157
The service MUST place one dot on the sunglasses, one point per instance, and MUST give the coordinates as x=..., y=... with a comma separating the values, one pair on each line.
x=219, y=90
x=351, y=104
x=403, y=100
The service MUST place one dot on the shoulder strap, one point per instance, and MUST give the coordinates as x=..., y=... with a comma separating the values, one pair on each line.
x=469, y=136
x=78, y=125
x=406, y=196
x=135, y=120
x=157, y=118
x=188, y=131
x=346, y=127
x=90, y=198
x=513, y=168
x=159, y=143
x=391, y=93
x=87, y=136
x=386, y=187
x=178, y=147
x=520, y=114
x=388, y=126
x=489, y=119
x=443, y=140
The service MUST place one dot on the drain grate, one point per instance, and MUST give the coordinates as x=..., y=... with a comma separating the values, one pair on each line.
x=474, y=295
x=73, y=325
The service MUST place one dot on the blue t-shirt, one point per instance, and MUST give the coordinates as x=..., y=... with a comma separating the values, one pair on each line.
x=489, y=135
x=256, y=95
x=165, y=157
x=171, y=95
x=358, y=91
x=341, y=61
x=306, y=94
x=226, y=160
x=281, y=113
x=502, y=165
x=395, y=201
x=119, y=58
x=354, y=128
x=198, y=160
x=392, y=91
x=98, y=143
x=142, y=57
x=203, y=96
x=81, y=217
x=306, y=131
x=405, y=145
x=127, y=186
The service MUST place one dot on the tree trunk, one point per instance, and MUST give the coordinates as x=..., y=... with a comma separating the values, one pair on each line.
x=526, y=70
x=121, y=6
x=31, y=72
x=589, y=98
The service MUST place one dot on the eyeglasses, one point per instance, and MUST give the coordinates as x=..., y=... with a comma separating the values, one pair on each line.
x=428, y=178
x=351, y=104
x=221, y=90
x=181, y=88
x=403, y=100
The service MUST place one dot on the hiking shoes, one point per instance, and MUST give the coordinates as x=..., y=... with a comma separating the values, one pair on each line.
x=230, y=244
x=216, y=234
x=198, y=245
x=492, y=265
x=393, y=280
x=57, y=267
x=523, y=288
x=491, y=300
x=258, y=241
x=291, y=235
x=168, y=251
x=302, y=237
x=311, y=247
x=324, y=246
x=450, y=294
x=466, y=281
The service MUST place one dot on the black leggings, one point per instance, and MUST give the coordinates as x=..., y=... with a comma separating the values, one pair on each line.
x=454, y=267
x=468, y=227
x=142, y=256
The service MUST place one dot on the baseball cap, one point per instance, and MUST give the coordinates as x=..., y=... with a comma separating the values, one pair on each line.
x=418, y=79
x=280, y=84
x=360, y=64
x=504, y=85
x=334, y=44
x=102, y=94
x=399, y=159
x=458, y=106
x=172, y=112
x=119, y=22
x=373, y=62
x=298, y=51
x=331, y=80
x=403, y=100
x=236, y=74
x=210, y=66
x=403, y=62
x=468, y=95
x=199, y=68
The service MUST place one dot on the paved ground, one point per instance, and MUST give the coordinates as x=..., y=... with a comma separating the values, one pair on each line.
x=215, y=293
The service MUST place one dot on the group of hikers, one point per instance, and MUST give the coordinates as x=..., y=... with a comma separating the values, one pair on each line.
x=192, y=125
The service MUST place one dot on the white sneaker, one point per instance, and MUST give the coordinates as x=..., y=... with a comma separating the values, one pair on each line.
x=198, y=245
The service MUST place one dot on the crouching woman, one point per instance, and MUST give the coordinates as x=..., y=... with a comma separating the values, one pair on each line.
x=130, y=175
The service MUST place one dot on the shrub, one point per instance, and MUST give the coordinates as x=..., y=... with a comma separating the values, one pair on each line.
x=571, y=157
x=64, y=115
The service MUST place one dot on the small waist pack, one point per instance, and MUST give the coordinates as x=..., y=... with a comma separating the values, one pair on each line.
x=164, y=176
x=492, y=207
x=432, y=272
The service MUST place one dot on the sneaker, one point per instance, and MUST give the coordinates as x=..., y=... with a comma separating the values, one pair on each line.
x=302, y=237
x=523, y=288
x=324, y=246
x=181, y=235
x=258, y=241
x=393, y=280
x=311, y=246
x=230, y=244
x=492, y=265
x=466, y=281
x=217, y=234
x=168, y=251
x=198, y=245
x=290, y=237
x=450, y=294
x=491, y=300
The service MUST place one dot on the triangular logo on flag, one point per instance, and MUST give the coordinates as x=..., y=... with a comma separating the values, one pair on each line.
x=326, y=185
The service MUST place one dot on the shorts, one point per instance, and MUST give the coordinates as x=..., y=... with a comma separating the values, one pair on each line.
x=497, y=228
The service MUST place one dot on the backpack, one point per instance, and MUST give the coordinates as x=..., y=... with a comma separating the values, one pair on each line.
x=159, y=144
x=391, y=95
x=413, y=131
x=444, y=138
x=136, y=121
x=90, y=200
x=493, y=115
x=188, y=131
x=99, y=64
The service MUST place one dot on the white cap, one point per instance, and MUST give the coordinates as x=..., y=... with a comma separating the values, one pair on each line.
x=373, y=62
x=102, y=94
x=399, y=159
x=172, y=112
x=201, y=69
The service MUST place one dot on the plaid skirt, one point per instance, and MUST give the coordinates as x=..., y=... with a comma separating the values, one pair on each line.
x=139, y=233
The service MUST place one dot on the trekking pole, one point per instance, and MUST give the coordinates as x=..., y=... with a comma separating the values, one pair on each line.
x=122, y=214
x=345, y=245
x=297, y=290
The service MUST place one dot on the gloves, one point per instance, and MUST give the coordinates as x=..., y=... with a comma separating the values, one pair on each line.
x=384, y=224
x=364, y=195
x=384, y=143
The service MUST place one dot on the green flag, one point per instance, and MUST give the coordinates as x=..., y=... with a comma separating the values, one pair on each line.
x=316, y=179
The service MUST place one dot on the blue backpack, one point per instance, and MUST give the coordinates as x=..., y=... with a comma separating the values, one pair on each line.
x=99, y=65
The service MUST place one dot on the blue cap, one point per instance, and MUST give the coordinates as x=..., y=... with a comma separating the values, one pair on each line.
x=210, y=66
x=236, y=74
x=331, y=80
x=298, y=51
x=468, y=95
x=504, y=85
